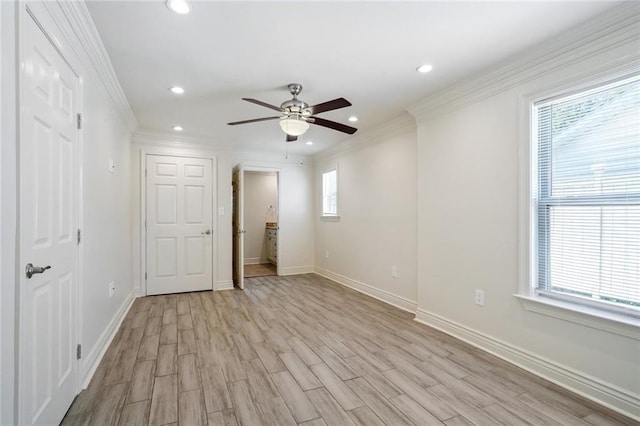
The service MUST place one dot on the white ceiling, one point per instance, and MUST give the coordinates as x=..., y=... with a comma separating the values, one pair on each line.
x=366, y=52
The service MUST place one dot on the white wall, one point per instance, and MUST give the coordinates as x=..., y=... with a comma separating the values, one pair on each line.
x=295, y=215
x=260, y=192
x=8, y=209
x=147, y=142
x=106, y=220
x=377, y=209
x=468, y=219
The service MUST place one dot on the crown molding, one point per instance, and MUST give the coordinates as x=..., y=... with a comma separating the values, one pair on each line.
x=263, y=158
x=151, y=137
x=75, y=24
x=615, y=27
x=402, y=124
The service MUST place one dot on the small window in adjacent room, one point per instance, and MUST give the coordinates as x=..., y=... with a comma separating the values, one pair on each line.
x=584, y=216
x=330, y=193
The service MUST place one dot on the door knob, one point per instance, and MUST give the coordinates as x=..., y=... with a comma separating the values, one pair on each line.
x=207, y=232
x=31, y=270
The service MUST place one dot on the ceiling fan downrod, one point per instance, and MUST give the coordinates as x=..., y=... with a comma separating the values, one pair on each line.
x=295, y=105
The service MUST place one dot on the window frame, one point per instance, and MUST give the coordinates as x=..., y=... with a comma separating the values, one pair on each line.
x=329, y=216
x=600, y=315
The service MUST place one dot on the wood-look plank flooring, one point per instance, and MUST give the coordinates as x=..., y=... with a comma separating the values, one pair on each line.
x=260, y=270
x=304, y=350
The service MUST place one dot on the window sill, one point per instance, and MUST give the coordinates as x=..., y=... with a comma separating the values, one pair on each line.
x=611, y=322
x=330, y=218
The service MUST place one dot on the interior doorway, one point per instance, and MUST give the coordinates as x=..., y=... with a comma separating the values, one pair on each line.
x=257, y=223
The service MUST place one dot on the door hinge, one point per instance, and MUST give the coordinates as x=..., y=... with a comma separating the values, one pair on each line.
x=145, y=276
x=79, y=352
x=145, y=172
x=79, y=120
x=79, y=236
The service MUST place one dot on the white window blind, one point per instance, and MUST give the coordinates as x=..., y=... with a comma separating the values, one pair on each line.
x=587, y=195
x=330, y=193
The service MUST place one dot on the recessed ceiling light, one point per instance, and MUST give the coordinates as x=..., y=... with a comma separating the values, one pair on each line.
x=178, y=128
x=309, y=143
x=179, y=6
x=353, y=119
x=424, y=68
x=177, y=90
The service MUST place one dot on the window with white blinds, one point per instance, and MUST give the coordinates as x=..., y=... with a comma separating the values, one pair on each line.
x=586, y=196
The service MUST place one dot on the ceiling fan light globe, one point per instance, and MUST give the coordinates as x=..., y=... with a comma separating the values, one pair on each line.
x=293, y=126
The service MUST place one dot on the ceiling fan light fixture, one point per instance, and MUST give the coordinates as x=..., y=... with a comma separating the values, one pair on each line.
x=179, y=6
x=293, y=126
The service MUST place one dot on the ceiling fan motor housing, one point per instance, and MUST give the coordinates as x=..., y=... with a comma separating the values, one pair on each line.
x=295, y=106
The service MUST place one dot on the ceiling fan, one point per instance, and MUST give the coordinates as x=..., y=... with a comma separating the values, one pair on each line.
x=296, y=115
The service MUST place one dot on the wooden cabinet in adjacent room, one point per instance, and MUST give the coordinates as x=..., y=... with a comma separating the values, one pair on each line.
x=272, y=245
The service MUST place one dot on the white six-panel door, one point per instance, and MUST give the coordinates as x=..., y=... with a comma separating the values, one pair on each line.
x=179, y=224
x=49, y=182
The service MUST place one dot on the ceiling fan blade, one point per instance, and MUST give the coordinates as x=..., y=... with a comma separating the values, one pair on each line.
x=329, y=105
x=264, y=104
x=291, y=138
x=255, y=120
x=332, y=125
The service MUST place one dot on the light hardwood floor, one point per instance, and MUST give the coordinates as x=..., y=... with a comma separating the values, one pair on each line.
x=303, y=350
x=260, y=270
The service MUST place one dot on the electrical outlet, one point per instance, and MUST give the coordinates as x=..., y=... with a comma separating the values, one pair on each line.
x=479, y=297
x=112, y=288
x=394, y=271
x=326, y=254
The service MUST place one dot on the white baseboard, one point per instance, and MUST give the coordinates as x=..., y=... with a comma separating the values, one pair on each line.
x=224, y=285
x=297, y=270
x=603, y=393
x=139, y=292
x=93, y=358
x=376, y=293
x=255, y=260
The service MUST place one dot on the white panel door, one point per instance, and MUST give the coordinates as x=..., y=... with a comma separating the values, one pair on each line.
x=237, y=182
x=49, y=182
x=179, y=224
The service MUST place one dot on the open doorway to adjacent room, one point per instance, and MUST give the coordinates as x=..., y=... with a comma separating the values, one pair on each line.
x=256, y=223
x=261, y=223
